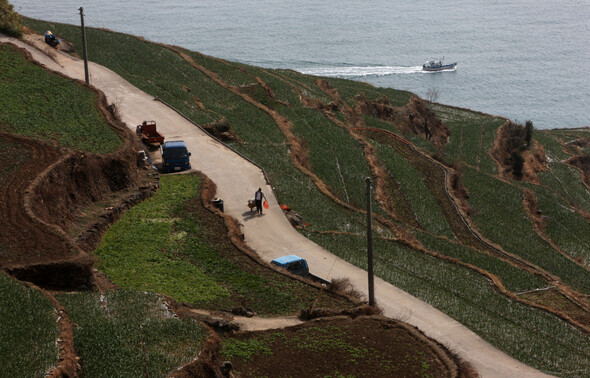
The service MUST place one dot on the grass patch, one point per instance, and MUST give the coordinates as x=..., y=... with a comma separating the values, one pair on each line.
x=38, y=104
x=28, y=330
x=131, y=334
x=169, y=244
x=135, y=252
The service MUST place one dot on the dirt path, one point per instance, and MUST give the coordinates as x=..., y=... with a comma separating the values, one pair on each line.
x=271, y=234
x=255, y=323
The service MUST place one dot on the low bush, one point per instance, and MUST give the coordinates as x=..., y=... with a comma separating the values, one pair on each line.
x=10, y=21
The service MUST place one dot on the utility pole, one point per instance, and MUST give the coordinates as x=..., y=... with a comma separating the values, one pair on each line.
x=370, y=244
x=84, y=46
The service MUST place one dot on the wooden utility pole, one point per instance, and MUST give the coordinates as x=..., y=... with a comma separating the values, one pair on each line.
x=84, y=46
x=370, y=244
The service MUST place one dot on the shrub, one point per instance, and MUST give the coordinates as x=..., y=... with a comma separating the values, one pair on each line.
x=528, y=126
x=10, y=21
x=517, y=164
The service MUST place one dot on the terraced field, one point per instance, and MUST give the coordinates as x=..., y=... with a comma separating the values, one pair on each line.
x=448, y=229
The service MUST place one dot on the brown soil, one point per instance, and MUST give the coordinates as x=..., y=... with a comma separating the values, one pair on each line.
x=361, y=347
x=221, y=130
x=40, y=200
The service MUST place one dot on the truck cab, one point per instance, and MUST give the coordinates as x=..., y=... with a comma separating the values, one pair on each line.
x=293, y=264
x=298, y=266
x=175, y=156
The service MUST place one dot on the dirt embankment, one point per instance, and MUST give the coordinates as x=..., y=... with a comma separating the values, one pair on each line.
x=582, y=162
x=39, y=202
x=413, y=118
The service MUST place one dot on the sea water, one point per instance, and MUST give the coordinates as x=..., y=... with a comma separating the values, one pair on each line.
x=521, y=59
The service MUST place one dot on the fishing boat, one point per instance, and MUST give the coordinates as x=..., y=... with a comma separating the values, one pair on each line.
x=437, y=65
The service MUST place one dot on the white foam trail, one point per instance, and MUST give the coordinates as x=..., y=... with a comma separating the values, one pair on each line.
x=360, y=71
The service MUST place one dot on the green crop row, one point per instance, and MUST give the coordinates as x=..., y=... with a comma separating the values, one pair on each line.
x=472, y=137
x=495, y=200
x=567, y=181
x=514, y=279
x=42, y=105
x=415, y=190
x=560, y=221
x=550, y=142
x=130, y=334
x=28, y=330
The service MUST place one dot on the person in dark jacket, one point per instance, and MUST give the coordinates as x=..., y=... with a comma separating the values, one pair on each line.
x=258, y=196
x=51, y=39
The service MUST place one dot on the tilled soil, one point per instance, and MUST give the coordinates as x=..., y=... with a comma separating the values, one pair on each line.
x=25, y=241
x=361, y=347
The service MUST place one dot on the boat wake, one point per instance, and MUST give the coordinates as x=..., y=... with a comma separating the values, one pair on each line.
x=359, y=71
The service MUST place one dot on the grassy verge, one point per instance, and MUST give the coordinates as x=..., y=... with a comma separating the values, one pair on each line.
x=28, y=330
x=131, y=252
x=42, y=105
x=130, y=334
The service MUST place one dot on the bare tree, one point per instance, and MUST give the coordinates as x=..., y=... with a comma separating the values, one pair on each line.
x=432, y=95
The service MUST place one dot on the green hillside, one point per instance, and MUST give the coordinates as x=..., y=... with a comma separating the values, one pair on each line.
x=508, y=258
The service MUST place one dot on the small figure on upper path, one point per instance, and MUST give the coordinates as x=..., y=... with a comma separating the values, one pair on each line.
x=258, y=196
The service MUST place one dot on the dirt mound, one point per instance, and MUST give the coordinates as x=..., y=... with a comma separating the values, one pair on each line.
x=39, y=209
x=413, y=118
x=78, y=180
x=221, y=130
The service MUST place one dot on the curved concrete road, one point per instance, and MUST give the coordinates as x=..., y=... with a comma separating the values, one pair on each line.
x=271, y=235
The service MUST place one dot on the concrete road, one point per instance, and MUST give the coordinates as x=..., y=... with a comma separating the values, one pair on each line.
x=270, y=234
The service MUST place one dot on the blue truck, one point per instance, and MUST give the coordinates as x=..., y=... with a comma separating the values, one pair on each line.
x=298, y=266
x=175, y=156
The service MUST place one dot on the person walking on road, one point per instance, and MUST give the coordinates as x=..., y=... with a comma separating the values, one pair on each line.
x=258, y=196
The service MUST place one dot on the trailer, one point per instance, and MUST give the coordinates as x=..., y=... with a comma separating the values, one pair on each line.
x=148, y=133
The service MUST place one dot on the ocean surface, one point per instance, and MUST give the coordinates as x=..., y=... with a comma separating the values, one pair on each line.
x=522, y=59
